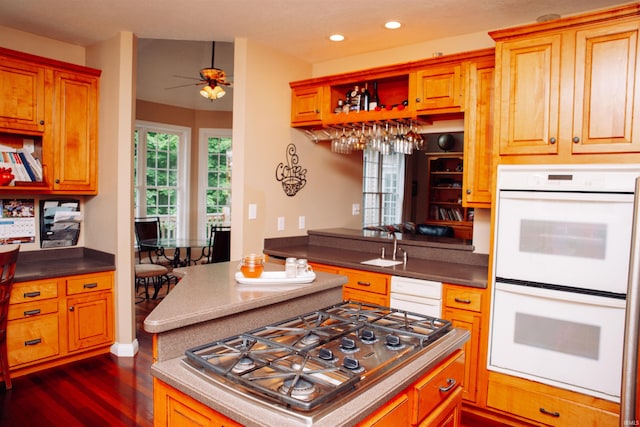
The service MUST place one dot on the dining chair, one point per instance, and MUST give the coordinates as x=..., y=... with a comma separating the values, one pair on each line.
x=8, y=261
x=159, y=269
x=218, y=249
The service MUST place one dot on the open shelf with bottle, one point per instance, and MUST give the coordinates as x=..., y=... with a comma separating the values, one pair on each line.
x=445, y=177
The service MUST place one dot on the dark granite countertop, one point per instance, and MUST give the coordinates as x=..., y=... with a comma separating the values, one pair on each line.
x=46, y=264
x=444, y=261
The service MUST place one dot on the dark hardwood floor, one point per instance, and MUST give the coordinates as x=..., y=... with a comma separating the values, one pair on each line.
x=100, y=391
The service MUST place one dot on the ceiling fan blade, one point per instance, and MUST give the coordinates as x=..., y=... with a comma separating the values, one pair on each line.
x=185, y=85
x=186, y=77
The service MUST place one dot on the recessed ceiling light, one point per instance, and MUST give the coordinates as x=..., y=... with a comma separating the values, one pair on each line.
x=392, y=25
x=548, y=17
x=336, y=37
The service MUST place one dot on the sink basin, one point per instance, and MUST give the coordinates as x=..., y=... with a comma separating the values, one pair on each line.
x=381, y=262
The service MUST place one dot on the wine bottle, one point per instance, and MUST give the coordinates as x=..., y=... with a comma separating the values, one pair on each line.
x=355, y=99
x=364, y=98
x=374, y=99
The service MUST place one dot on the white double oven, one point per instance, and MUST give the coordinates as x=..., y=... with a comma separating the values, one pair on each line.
x=560, y=271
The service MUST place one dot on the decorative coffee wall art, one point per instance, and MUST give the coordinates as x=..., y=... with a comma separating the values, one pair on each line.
x=291, y=175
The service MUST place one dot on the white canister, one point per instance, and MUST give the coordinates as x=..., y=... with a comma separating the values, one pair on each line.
x=303, y=267
x=290, y=267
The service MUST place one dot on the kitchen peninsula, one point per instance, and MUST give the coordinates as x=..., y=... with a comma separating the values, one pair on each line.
x=209, y=305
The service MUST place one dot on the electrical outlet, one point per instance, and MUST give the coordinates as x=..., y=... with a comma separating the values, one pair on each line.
x=253, y=211
x=355, y=209
x=301, y=221
x=280, y=223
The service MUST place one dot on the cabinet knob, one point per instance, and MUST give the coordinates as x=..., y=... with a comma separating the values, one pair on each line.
x=71, y=308
x=468, y=191
x=41, y=122
x=576, y=139
x=552, y=140
x=57, y=180
x=417, y=99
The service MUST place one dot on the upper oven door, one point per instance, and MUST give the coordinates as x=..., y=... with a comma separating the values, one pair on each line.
x=579, y=240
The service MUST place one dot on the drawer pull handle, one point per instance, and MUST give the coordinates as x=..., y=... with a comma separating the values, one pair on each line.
x=451, y=383
x=553, y=414
x=32, y=294
x=32, y=312
x=462, y=301
x=90, y=285
x=364, y=283
x=33, y=342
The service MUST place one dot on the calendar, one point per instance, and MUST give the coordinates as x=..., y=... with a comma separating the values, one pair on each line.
x=18, y=222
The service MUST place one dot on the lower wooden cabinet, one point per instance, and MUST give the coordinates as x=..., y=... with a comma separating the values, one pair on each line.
x=433, y=400
x=364, y=286
x=55, y=321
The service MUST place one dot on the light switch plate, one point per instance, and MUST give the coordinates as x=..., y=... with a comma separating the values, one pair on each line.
x=280, y=223
x=355, y=209
x=301, y=222
x=253, y=211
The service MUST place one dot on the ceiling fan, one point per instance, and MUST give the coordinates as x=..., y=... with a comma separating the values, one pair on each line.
x=212, y=79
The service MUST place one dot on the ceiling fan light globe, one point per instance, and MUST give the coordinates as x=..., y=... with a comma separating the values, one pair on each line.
x=218, y=92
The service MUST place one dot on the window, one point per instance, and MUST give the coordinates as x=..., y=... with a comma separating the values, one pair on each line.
x=382, y=188
x=160, y=175
x=215, y=185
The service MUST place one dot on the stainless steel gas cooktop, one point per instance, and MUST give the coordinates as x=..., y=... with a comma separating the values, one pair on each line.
x=305, y=361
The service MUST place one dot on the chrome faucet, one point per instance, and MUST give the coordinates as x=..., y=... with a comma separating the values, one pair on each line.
x=395, y=244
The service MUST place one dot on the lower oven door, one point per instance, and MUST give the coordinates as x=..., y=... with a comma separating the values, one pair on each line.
x=568, y=340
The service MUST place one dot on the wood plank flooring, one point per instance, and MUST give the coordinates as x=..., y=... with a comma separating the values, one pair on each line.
x=100, y=391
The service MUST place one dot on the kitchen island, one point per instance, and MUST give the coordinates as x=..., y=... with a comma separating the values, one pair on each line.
x=208, y=305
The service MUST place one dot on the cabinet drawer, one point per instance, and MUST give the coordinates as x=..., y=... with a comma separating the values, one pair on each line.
x=394, y=413
x=367, y=282
x=89, y=283
x=352, y=294
x=546, y=408
x=38, y=308
x=33, y=291
x=463, y=299
x=32, y=339
x=436, y=387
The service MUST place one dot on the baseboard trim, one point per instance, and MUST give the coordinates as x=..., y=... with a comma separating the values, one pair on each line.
x=125, y=350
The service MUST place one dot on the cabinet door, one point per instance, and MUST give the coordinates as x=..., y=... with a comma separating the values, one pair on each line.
x=440, y=89
x=76, y=134
x=607, y=97
x=529, y=94
x=32, y=339
x=90, y=320
x=306, y=105
x=21, y=95
x=394, y=413
x=470, y=322
x=478, y=136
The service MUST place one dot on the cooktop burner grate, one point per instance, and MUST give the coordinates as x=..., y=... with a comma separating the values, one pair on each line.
x=306, y=360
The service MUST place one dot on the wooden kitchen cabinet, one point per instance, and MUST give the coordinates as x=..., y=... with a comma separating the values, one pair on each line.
x=477, y=179
x=22, y=100
x=462, y=306
x=567, y=88
x=440, y=89
x=544, y=404
x=366, y=286
x=395, y=413
x=306, y=105
x=55, y=321
x=50, y=108
x=75, y=141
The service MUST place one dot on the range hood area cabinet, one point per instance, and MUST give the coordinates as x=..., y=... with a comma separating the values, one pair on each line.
x=434, y=86
x=568, y=90
x=50, y=108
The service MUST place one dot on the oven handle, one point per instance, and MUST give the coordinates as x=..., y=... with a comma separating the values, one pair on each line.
x=560, y=295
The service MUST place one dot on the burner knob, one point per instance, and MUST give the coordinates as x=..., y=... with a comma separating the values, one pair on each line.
x=351, y=363
x=348, y=343
x=368, y=335
x=326, y=354
x=393, y=340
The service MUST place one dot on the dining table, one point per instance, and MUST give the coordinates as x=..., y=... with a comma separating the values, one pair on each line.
x=181, y=248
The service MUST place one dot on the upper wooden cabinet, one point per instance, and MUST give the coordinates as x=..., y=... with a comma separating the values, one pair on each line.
x=22, y=102
x=568, y=87
x=440, y=88
x=413, y=90
x=50, y=108
x=478, y=134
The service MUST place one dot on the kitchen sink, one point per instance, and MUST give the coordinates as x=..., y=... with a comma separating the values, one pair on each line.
x=381, y=262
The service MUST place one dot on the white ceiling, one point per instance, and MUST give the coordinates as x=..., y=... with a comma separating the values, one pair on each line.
x=296, y=27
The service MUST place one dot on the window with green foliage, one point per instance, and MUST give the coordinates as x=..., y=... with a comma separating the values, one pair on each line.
x=382, y=188
x=215, y=187
x=159, y=175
